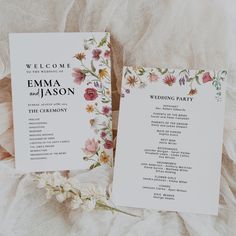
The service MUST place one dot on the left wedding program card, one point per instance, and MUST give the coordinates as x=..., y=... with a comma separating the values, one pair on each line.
x=61, y=88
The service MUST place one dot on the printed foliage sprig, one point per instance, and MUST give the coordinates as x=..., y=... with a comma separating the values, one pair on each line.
x=96, y=74
x=140, y=77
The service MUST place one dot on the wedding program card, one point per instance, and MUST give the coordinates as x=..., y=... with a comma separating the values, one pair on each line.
x=61, y=88
x=169, y=141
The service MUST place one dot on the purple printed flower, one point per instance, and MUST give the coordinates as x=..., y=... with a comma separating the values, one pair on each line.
x=182, y=81
x=96, y=84
x=96, y=54
x=106, y=110
x=103, y=134
x=107, y=54
x=127, y=91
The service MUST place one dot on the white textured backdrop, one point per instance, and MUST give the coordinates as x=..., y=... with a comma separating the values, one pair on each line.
x=165, y=33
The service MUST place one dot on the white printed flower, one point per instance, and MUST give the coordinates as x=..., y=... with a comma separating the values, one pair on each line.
x=76, y=202
x=88, y=204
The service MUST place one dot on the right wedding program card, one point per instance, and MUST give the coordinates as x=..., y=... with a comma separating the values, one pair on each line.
x=169, y=143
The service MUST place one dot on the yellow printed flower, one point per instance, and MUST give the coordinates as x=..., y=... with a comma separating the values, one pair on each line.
x=104, y=157
x=108, y=92
x=80, y=56
x=132, y=81
x=102, y=73
x=90, y=108
x=93, y=123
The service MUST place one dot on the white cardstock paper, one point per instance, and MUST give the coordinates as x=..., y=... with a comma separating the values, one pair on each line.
x=61, y=89
x=169, y=142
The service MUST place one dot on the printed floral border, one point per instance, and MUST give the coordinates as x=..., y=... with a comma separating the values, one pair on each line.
x=140, y=77
x=94, y=69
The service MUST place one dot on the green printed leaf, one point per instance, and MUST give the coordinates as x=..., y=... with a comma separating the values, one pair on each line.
x=224, y=72
x=162, y=71
x=190, y=79
x=92, y=66
x=197, y=79
x=85, y=71
x=91, y=167
x=103, y=41
x=182, y=71
x=105, y=101
x=128, y=70
x=200, y=72
x=141, y=71
x=97, y=164
x=165, y=71
x=94, y=165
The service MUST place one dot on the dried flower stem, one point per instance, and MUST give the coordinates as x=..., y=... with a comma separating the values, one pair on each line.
x=104, y=206
x=87, y=196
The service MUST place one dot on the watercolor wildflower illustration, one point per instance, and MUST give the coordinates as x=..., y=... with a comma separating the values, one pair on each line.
x=93, y=70
x=139, y=77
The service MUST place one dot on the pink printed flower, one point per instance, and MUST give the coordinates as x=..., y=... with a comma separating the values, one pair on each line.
x=103, y=134
x=108, y=144
x=107, y=54
x=96, y=53
x=106, y=110
x=169, y=80
x=206, y=77
x=90, y=94
x=78, y=75
x=153, y=77
x=91, y=147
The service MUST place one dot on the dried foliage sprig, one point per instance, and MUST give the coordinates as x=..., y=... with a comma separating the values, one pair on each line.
x=84, y=196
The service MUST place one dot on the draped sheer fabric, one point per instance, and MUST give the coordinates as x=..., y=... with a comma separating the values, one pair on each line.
x=175, y=34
